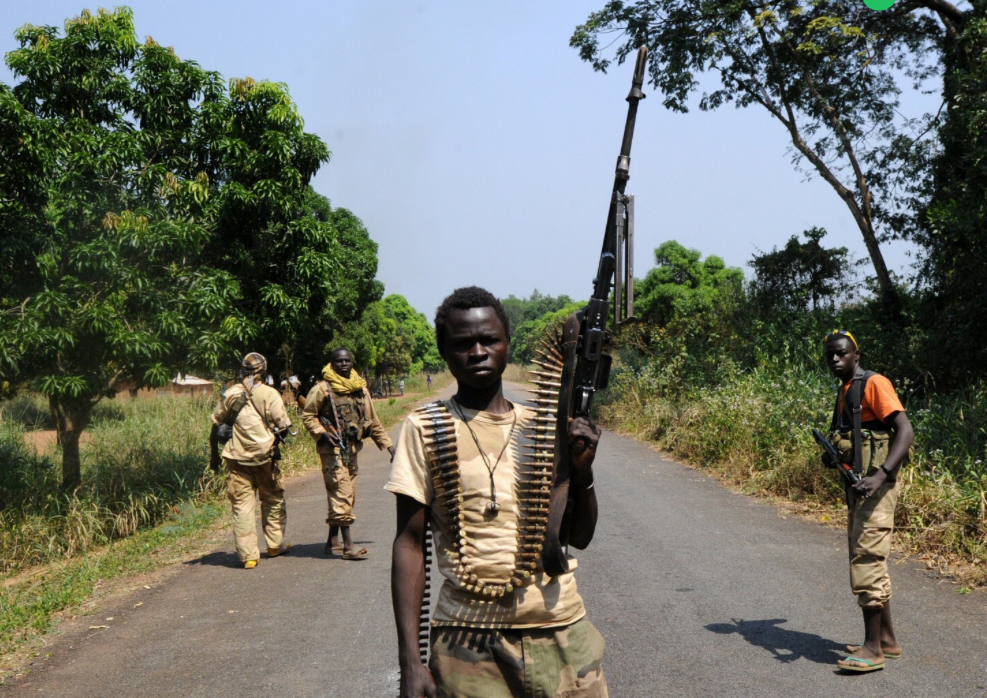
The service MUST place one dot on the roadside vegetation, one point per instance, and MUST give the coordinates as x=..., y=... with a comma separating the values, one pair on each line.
x=145, y=495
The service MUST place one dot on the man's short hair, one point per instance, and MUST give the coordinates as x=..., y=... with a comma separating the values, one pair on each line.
x=339, y=349
x=467, y=298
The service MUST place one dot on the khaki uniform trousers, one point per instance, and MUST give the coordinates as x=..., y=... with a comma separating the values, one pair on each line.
x=519, y=663
x=241, y=484
x=870, y=523
x=340, y=481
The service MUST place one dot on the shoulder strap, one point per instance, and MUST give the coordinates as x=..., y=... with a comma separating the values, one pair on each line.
x=238, y=404
x=852, y=403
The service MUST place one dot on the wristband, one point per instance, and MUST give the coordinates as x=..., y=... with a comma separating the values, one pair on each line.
x=885, y=469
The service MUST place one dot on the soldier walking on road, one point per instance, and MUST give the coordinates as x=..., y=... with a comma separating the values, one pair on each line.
x=500, y=627
x=872, y=434
x=251, y=420
x=339, y=414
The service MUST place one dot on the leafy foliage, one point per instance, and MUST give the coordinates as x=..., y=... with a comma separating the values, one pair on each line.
x=681, y=284
x=531, y=333
x=802, y=276
x=156, y=219
x=392, y=338
x=520, y=310
x=827, y=70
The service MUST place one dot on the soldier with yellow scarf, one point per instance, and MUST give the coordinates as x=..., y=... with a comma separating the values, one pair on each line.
x=339, y=415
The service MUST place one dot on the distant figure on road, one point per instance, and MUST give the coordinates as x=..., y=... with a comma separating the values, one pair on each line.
x=501, y=625
x=429, y=381
x=339, y=414
x=249, y=419
x=401, y=386
x=872, y=434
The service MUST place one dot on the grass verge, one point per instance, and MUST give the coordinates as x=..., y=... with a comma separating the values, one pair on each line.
x=147, y=499
x=753, y=430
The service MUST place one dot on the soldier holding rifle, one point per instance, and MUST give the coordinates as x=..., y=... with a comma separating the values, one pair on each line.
x=339, y=414
x=871, y=436
x=502, y=626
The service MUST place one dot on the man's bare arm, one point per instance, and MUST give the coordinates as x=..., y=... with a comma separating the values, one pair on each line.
x=407, y=590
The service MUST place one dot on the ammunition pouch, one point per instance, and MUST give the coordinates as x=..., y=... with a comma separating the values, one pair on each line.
x=875, y=444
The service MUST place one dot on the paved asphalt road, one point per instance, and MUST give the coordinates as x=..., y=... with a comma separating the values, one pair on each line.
x=698, y=590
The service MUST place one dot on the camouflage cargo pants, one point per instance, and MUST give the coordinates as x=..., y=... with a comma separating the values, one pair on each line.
x=340, y=481
x=242, y=482
x=528, y=663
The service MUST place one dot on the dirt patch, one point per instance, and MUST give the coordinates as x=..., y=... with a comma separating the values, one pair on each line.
x=45, y=441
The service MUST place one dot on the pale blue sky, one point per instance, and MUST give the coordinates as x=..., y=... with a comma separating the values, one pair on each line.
x=479, y=149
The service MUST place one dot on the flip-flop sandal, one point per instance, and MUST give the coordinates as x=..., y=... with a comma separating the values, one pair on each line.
x=334, y=550
x=890, y=655
x=859, y=665
x=360, y=554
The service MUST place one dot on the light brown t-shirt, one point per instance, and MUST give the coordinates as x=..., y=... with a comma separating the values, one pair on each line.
x=253, y=440
x=542, y=602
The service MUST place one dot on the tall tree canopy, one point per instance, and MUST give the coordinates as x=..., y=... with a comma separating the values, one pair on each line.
x=802, y=276
x=829, y=71
x=391, y=338
x=683, y=284
x=155, y=219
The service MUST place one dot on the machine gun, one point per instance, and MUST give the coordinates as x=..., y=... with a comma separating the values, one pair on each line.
x=586, y=339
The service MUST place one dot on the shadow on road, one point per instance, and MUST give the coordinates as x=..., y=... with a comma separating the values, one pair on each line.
x=786, y=645
x=219, y=558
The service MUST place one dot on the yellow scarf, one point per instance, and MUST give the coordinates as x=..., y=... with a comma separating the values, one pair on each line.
x=341, y=385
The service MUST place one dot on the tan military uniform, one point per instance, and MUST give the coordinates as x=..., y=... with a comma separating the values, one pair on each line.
x=248, y=461
x=870, y=520
x=339, y=475
x=534, y=641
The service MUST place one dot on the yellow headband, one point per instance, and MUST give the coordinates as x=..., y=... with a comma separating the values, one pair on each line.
x=836, y=334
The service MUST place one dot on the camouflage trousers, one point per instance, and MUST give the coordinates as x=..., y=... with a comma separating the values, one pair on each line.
x=521, y=663
x=870, y=523
x=340, y=481
x=241, y=484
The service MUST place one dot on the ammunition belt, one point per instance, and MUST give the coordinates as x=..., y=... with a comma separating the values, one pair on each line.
x=532, y=490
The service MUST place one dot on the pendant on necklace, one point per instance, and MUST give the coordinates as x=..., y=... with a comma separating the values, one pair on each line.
x=493, y=507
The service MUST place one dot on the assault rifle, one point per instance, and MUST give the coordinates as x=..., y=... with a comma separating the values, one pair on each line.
x=585, y=337
x=831, y=458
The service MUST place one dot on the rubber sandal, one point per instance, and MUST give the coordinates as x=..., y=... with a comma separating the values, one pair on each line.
x=360, y=554
x=890, y=655
x=859, y=665
x=249, y=564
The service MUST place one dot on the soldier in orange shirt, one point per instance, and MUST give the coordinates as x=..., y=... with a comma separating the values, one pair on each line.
x=873, y=435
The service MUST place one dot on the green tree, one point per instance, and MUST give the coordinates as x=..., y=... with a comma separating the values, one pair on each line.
x=154, y=219
x=683, y=284
x=531, y=333
x=952, y=226
x=802, y=276
x=827, y=70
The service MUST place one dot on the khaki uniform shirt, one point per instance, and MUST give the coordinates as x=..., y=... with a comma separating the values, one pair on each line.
x=253, y=438
x=541, y=603
x=318, y=401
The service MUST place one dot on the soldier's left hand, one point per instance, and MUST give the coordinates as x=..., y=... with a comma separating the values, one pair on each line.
x=584, y=436
x=869, y=485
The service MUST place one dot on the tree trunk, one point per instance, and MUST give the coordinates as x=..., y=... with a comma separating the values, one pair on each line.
x=71, y=419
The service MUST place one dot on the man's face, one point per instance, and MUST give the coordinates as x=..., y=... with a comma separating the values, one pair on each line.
x=342, y=363
x=841, y=357
x=476, y=346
